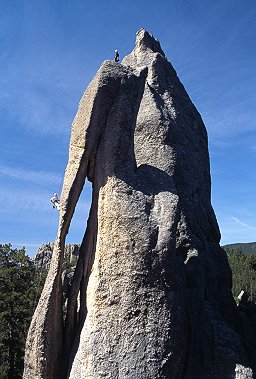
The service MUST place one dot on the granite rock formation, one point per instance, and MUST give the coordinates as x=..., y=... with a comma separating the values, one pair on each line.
x=43, y=256
x=151, y=294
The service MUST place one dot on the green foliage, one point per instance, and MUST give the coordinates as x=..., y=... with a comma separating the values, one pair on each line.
x=243, y=268
x=69, y=266
x=19, y=290
x=245, y=247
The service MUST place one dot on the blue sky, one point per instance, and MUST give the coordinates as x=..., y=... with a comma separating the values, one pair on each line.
x=51, y=49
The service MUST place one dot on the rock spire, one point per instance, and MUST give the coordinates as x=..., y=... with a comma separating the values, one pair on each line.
x=151, y=294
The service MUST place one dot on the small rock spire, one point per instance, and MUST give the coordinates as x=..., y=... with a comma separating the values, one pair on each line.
x=145, y=40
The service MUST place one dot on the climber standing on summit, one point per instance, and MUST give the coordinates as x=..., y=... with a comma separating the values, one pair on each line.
x=116, y=58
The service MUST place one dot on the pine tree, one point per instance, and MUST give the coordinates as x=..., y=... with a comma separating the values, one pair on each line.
x=243, y=266
x=19, y=287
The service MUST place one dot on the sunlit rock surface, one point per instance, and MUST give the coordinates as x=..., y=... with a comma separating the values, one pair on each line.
x=151, y=294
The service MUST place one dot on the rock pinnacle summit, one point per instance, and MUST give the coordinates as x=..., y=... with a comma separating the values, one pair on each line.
x=151, y=294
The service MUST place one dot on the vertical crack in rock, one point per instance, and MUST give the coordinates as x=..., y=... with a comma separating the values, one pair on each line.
x=151, y=294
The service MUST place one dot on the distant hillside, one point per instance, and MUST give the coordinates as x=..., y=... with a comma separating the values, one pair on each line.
x=248, y=248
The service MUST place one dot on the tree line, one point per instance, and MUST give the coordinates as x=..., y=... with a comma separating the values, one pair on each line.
x=21, y=284
x=243, y=266
x=20, y=287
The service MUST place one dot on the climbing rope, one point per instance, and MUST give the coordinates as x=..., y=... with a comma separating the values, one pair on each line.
x=61, y=183
x=41, y=265
x=47, y=240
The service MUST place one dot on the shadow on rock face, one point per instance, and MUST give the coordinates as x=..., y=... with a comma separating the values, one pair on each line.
x=149, y=180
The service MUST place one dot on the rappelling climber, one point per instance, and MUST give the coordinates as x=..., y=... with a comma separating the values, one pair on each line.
x=116, y=58
x=55, y=201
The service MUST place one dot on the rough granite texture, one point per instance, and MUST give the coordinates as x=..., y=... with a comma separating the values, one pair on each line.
x=151, y=294
x=43, y=256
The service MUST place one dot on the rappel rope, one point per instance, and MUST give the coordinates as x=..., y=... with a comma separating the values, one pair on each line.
x=47, y=240
x=61, y=183
x=41, y=266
